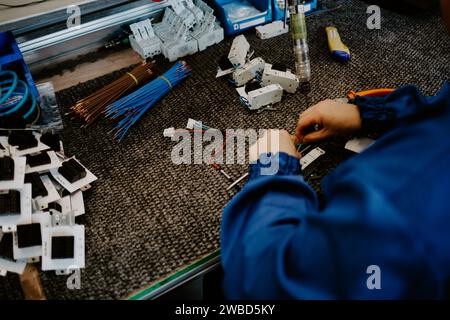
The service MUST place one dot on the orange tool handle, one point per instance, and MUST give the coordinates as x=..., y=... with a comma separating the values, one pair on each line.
x=351, y=95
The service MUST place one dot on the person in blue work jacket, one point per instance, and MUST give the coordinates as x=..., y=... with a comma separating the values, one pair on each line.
x=384, y=231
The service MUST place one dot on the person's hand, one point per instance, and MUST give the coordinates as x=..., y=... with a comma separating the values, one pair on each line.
x=273, y=141
x=330, y=117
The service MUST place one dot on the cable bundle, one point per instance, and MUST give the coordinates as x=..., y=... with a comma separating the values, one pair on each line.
x=131, y=108
x=16, y=100
x=92, y=107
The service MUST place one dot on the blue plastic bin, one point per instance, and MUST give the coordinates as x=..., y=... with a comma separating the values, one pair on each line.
x=11, y=59
x=239, y=15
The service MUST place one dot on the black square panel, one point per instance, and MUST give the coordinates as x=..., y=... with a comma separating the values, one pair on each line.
x=29, y=235
x=63, y=247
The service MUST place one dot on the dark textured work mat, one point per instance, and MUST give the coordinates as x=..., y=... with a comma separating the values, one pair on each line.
x=146, y=218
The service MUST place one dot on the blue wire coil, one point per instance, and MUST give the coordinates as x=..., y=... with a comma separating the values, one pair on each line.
x=131, y=108
x=14, y=95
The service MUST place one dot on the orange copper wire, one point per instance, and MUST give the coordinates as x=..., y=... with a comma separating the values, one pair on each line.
x=93, y=106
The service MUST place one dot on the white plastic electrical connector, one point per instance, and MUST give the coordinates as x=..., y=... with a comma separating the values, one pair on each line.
x=239, y=51
x=169, y=132
x=265, y=96
x=271, y=30
x=143, y=40
x=285, y=79
x=248, y=72
x=312, y=156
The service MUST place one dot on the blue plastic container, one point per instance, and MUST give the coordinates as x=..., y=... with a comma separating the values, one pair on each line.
x=278, y=8
x=239, y=15
x=11, y=59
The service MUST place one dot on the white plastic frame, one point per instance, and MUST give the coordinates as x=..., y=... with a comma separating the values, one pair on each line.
x=19, y=175
x=41, y=203
x=31, y=254
x=9, y=223
x=82, y=184
x=54, y=163
x=77, y=231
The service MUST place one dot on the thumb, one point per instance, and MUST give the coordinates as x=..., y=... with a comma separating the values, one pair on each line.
x=304, y=124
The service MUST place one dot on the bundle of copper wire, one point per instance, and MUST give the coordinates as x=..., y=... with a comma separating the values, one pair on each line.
x=93, y=106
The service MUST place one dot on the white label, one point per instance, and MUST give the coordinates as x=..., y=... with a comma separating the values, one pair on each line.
x=252, y=23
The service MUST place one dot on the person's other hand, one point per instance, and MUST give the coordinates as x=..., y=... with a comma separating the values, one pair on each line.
x=331, y=118
x=273, y=141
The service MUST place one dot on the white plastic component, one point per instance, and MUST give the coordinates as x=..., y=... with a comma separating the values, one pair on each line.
x=262, y=97
x=239, y=51
x=221, y=73
x=359, y=145
x=54, y=163
x=176, y=42
x=313, y=155
x=7, y=265
x=248, y=72
x=66, y=206
x=144, y=41
x=78, y=260
x=169, y=132
x=32, y=254
x=41, y=203
x=186, y=15
x=9, y=222
x=19, y=175
x=82, y=184
x=77, y=203
x=209, y=33
x=197, y=12
x=191, y=124
x=271, y=30
x=14, y=151
x=287, y=79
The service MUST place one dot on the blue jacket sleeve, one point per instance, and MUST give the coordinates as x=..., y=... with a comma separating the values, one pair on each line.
x=405, y=103
x=277, y=245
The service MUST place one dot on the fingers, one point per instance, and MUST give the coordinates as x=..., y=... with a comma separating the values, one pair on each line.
x=317, y=136
x=305, y=124
x=273, y=141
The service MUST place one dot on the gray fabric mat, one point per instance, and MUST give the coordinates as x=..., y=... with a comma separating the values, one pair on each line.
x=146, y=218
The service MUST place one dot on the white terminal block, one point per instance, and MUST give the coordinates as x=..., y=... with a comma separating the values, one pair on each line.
x=197, y=12
x=248, y=72
x=169, y=132
x=209, y=33
x=271, y=30
x=181, y=11
x=262, y=97
x=144, y=41
x=286, y=79
x=239, y=51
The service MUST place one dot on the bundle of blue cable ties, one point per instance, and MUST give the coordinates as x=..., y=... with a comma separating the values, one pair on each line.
x=16, y=100
x=131, y=108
